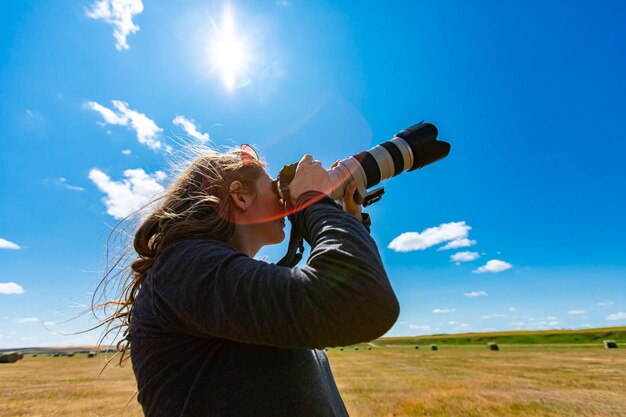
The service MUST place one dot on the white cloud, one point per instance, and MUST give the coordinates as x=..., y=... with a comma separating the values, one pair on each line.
x=5, y=244
x=190, y=128
x=64, y=184
x=497, y=315
x=127, y=152
x=118, y=13
x=109, y=116
x=146, y=129
x=27, y=320
x=458, y=243
x=512, y=309
x=463, y=326
x=49, y=323
x=411, y=241
x=494, y=265
x=476, y=294
x=443, y=310
x=130, y=194
x=516, y=323
x=464, y=257
x=424, y=328
x=553, y=323
x=616, y=316
x=485, y=317
x=451, y=322
x=576, y=312
x=11, y=288
x=605, y=303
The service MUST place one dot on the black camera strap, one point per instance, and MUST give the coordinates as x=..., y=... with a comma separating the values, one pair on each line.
x=295, y=250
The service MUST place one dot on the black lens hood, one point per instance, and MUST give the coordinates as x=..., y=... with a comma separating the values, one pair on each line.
x=422, y=138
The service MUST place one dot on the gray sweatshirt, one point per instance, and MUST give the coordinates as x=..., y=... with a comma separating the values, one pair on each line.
x=217, y=333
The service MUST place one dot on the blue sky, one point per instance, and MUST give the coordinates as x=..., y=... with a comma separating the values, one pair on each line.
x=95, y=99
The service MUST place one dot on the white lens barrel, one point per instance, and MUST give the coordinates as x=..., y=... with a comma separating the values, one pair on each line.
x=411, y=149
x=405, y=150
x=350, y=168
x=345, y=171
x=384, y=161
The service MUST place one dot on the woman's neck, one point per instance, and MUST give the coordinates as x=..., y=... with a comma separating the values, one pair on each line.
x=243, y=240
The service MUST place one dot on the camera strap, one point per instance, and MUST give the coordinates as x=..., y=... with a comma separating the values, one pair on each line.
x=295, y=250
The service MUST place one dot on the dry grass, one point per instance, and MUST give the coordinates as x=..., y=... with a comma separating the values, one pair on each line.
x=473, y=381
x=402, y=381
x=66, y=386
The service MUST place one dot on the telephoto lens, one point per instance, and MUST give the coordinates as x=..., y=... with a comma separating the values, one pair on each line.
x=411, y=149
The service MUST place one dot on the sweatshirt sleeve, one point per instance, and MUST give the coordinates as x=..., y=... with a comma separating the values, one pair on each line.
x=341, y=296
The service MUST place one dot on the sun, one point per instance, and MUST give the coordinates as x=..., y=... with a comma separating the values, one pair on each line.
x=229, y=52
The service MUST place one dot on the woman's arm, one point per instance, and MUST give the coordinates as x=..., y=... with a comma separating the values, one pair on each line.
x=341, y=296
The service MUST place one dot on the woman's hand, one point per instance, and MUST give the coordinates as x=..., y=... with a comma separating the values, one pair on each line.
x=348, y=202
x=310, y=176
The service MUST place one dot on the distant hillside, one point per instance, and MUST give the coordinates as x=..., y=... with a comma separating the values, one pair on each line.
x=61, y=349
x=543, y=337
x=540, y=337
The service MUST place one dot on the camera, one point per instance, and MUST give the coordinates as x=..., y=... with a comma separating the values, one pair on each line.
x=412, y=148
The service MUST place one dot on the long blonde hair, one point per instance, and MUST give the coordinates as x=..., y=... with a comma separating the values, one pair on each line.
x=196, y=205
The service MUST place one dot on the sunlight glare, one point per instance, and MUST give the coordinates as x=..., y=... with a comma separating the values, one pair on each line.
x=228, y=52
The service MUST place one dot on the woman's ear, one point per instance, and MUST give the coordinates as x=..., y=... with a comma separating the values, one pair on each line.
x=239, y=198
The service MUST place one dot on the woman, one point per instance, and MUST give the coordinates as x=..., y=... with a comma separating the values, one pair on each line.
x=215, y=332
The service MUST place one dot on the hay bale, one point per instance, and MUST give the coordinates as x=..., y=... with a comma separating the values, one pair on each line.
x=34, y=355
x=434, y=347
x=56, y=354
x=71, y=354
x=417, y=347
x=369, y=348
x=91, y=354
x=20, y=355
x=340, y=348
x=356, y=348
x=493, y=346
x=610, y=344
x=9, y=357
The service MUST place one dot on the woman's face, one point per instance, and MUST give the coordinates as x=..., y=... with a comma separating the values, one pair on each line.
x=267, y=212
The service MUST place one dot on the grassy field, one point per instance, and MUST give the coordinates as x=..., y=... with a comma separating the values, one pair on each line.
x=472, y=381
x=390, y=381
x=66, y=386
